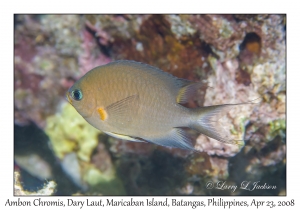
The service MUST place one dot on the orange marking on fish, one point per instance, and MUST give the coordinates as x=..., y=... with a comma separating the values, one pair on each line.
x=102, y=113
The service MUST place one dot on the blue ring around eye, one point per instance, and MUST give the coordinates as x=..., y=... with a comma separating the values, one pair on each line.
x=76, y=95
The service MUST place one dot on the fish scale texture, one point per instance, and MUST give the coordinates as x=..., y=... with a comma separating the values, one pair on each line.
x=152, y=110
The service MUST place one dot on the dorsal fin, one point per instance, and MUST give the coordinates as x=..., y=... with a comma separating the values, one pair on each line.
x=186, y=92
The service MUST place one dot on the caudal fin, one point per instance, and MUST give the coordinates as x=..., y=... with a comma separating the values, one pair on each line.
x=207, y=122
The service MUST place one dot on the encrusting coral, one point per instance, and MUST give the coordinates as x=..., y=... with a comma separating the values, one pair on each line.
x=74, y=141
x=48, y=189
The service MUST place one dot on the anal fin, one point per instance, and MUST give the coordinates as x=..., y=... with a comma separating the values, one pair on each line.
x=176, y=138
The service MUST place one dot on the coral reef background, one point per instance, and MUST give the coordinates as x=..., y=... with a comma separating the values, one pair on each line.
x=242, y=57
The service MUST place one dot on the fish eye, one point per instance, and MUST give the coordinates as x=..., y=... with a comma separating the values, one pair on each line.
x=76, y=94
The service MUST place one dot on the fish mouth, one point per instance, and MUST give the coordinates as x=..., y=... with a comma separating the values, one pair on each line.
x=68, y=97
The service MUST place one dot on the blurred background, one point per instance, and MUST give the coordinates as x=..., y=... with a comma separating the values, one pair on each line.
x=241, y=57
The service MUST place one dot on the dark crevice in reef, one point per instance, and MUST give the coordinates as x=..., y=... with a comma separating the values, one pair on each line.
x=32, y=140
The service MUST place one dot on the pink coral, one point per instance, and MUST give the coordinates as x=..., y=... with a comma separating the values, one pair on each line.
x=91, y=57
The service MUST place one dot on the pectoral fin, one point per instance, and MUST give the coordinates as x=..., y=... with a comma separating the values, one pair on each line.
x=121, y=112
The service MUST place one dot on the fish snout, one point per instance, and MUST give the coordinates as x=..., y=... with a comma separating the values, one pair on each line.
x=68, y=97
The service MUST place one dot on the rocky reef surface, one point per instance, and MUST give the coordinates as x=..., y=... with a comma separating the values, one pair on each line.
x=241, y=57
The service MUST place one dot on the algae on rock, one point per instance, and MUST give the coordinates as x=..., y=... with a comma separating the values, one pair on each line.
x=74, y=142
x=69, y=132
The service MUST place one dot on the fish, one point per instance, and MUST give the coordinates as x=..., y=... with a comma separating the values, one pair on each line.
x=137, y=102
